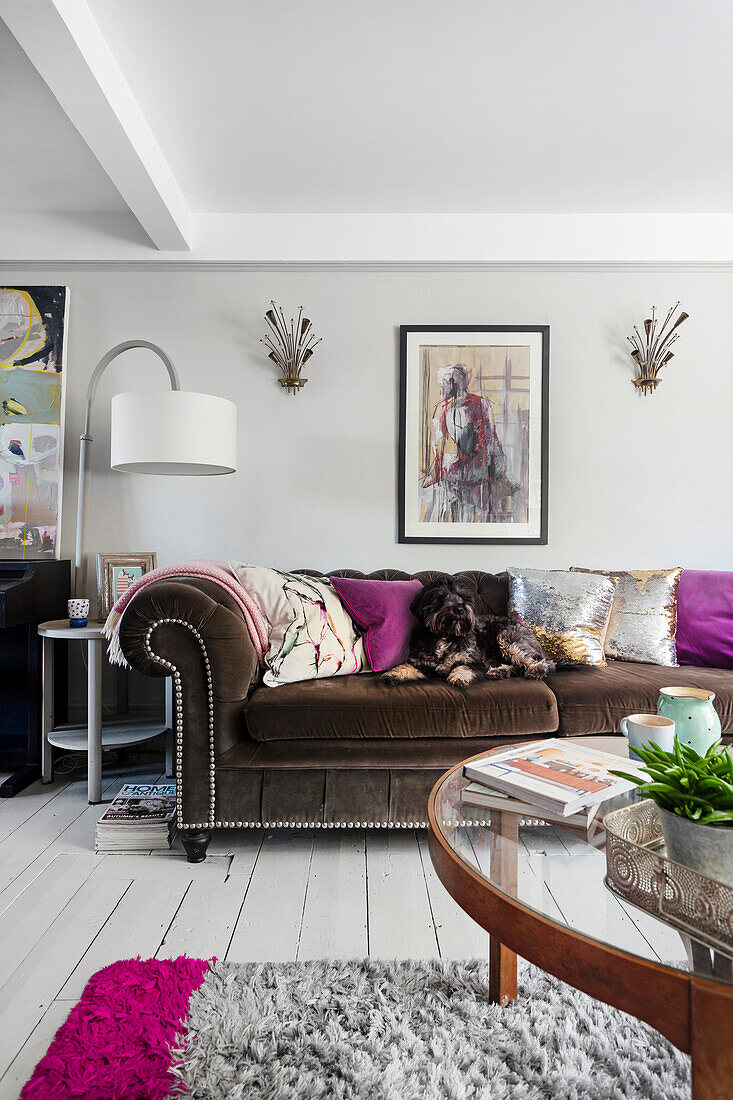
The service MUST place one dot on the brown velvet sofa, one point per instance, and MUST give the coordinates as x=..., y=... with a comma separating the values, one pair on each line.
x=348, y=751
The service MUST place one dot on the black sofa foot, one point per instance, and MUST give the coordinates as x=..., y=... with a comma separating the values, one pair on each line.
x=195, y=842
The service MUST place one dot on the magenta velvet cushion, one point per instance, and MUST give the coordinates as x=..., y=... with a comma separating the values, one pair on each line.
x=382, y=610
x=705, y=619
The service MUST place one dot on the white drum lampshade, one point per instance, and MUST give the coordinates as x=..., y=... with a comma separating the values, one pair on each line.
x=173, y=432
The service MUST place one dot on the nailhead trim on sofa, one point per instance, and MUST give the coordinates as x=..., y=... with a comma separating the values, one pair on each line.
x=211, y=823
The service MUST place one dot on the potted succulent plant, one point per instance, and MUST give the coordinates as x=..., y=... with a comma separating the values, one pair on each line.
x=694, y=796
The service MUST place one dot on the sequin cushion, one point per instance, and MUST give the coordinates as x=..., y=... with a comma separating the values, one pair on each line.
x=568, y=611
x=643, y=619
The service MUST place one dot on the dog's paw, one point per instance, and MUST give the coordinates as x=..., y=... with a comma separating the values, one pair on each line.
x=499, y=672
x=461, y=676
x=538, y=670
x=401, y=674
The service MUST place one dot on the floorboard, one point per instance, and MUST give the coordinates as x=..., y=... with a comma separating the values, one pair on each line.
x=400, y=920
x=268, y=927
x=37, y=981
x=204, y=923
x=458, y=935
x=664, y=943
x=160, y=868
x=583, y=906
x=241, y=845
x=66, y=824
x=335, y=912
x=123, y=935
x=33, y=1049
x=29, y=916
x=15, y=811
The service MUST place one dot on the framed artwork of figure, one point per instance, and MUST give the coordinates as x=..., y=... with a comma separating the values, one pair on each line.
x=473, y=441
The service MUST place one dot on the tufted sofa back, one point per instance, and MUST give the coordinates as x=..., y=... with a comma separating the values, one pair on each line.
x=490, y=588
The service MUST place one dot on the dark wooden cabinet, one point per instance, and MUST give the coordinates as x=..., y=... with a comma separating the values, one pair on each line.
x=31, y=592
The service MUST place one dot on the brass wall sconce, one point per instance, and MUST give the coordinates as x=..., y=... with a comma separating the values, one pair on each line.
x=651, y=352
x=290, y=348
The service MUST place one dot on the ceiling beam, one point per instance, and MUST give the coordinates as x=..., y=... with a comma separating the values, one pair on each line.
x=66, y=46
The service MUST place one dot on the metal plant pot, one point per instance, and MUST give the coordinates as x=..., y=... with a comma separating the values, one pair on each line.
x=706, y=848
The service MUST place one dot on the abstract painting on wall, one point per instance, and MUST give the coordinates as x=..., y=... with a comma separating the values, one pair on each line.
x=473, y=433
x=32, y=366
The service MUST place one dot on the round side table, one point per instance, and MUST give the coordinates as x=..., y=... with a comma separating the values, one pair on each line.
x=90, y=738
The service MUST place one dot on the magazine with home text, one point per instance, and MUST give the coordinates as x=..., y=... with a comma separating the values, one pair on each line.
x=140, y=817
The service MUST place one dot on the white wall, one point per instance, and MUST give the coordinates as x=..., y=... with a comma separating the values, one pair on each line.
x=634, y=481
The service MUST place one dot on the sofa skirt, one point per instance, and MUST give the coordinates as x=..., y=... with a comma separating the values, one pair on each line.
x=321, y=790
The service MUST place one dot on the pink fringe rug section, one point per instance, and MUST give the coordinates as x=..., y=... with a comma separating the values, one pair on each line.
x=116, y=1043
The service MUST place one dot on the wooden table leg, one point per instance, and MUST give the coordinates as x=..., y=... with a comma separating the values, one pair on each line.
x=711, y=1028
x=502, y=961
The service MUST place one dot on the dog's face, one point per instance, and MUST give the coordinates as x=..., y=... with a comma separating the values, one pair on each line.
x=445, y=608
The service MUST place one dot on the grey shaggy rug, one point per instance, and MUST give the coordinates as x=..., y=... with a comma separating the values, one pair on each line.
x=367, y=1029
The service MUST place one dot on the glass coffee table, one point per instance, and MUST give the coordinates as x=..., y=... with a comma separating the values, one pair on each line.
x=539, y=892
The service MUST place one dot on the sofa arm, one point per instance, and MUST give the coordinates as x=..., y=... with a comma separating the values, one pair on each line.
x=194, y=631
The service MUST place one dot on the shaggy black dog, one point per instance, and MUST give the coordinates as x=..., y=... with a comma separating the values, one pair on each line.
x=454, y=643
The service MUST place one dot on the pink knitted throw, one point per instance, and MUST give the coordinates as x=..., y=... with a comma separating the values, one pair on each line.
x=216, y=571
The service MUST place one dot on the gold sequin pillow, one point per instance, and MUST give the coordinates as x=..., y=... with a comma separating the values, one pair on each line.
x=643, y=621
x=568, y=611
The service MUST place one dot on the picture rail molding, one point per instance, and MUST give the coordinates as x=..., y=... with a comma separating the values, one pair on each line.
x=559, y=267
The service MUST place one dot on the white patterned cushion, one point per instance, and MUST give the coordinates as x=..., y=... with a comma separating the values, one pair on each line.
x=311, y=633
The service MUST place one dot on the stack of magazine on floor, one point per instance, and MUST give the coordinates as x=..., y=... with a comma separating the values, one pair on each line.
x=553, y=780
x=140, y=818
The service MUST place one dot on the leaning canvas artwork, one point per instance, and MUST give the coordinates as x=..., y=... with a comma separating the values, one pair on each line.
x=473, y=434
x=32, y=364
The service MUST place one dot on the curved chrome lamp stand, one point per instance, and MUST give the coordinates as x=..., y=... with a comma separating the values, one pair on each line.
x=86, y=438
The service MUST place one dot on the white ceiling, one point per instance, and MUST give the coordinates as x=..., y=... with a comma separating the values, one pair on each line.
x=312, y=128
x=46, y=166
x=435, y=105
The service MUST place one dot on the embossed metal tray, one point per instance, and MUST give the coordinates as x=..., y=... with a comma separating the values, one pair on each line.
x=639, y=871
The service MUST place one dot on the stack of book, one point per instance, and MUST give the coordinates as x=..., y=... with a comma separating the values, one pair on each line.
x=553, y=780
x=140, y=818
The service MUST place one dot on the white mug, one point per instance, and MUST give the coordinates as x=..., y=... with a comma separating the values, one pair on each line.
x=78, y=611
x=640, y=729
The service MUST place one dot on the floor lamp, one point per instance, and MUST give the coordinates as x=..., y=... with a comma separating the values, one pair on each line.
x=158, y=432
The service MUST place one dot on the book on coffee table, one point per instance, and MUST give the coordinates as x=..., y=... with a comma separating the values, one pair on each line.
x=554, y=775
x=140, y=818
x=476, y=794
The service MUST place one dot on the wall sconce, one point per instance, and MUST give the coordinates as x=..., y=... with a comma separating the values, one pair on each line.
x=290, y=348
x=651, y=352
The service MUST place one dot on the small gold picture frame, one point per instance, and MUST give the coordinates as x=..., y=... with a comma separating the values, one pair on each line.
x=115, y=574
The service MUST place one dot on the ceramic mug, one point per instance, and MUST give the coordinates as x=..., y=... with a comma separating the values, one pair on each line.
x=78, y=612
x=640, y=729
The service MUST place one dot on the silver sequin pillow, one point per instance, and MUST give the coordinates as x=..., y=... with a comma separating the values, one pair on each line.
x=567, y=611
x=643, y=620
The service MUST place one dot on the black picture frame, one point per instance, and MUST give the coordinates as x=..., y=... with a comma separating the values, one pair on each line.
x=541, y=540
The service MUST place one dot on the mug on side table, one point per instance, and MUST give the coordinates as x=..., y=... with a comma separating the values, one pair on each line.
x=78, y=612
x=640, y=729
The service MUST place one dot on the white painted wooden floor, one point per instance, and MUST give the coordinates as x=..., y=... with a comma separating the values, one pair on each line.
x=65, y=912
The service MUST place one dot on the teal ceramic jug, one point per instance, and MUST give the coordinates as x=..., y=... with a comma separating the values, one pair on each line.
x=691, y=709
